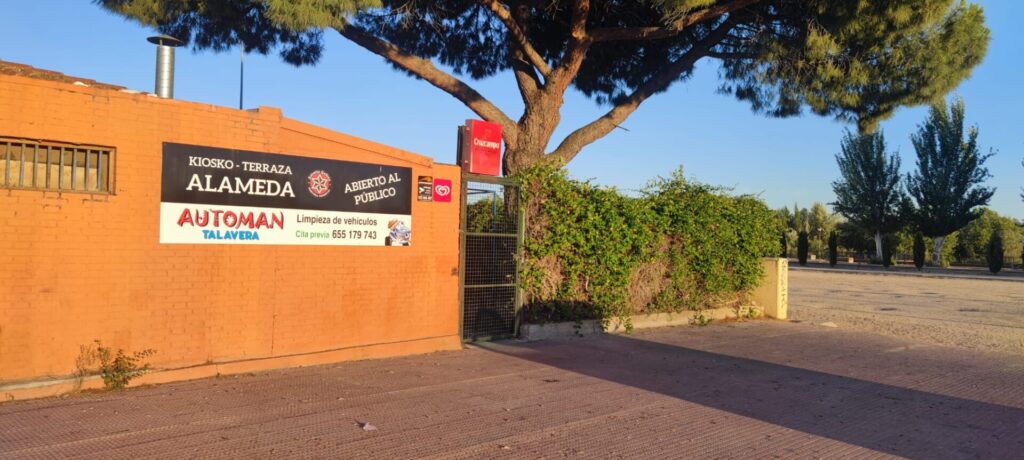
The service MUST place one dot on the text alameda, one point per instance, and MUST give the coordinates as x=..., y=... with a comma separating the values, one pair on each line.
x=248, y=186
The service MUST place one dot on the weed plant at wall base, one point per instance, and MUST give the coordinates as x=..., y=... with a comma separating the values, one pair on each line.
x=117, y=369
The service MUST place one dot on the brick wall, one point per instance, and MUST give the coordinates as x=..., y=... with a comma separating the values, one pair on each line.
x=76, y=267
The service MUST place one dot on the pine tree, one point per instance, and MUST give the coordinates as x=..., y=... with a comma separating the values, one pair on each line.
x=946, y=186
x=995, y=253
x=833, y=249
x=869, y=193
x=801, y=248
x=855, y=61
x=919, y=250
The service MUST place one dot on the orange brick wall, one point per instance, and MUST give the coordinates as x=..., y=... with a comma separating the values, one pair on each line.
x=78, y=267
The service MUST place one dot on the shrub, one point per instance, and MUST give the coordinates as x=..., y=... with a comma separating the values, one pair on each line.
x=593, y=253
x=995, y=253
x=833, y=249
x=801, y=248
x=919, y=250
x=116, y=368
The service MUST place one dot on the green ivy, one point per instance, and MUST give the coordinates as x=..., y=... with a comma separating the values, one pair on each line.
x=586, y=245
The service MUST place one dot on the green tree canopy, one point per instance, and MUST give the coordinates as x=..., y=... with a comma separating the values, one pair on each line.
x=974, y=237
x=820, y=222
x=946, y=186
x=868, y=193
x=853, y=60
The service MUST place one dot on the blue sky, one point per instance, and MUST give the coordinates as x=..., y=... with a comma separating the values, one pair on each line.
x=715, y=138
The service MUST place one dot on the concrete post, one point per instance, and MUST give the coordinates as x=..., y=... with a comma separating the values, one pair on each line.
x=773, y=293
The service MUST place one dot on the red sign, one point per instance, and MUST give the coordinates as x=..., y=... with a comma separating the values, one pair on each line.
x=443, y=190
x=481, y=148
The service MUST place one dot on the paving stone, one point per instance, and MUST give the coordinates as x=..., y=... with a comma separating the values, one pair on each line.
x=733, y=390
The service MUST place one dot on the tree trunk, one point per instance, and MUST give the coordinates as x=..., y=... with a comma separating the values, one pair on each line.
x=516, y=160
x=937, y=243
x=878, y=246
x=519, y=159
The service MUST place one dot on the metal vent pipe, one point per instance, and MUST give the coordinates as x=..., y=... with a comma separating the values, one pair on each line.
x=165, y=45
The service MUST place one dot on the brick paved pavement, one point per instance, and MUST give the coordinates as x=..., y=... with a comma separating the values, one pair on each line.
x=735, y=390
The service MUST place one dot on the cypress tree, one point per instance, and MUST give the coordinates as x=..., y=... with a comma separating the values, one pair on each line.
x=995, y=253
x=833, y=249
x=919, y=250
x=801, y=248
x=785, y=246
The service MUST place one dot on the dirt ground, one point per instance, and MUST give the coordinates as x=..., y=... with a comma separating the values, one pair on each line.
x=972, y=313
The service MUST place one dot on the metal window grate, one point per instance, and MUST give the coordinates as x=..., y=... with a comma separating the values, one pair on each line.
x=40, y=165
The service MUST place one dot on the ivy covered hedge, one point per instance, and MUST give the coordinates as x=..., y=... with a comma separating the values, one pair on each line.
x=593, y=253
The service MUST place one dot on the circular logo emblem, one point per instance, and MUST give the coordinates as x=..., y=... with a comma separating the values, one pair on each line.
x=443, y=190
x=319, y=183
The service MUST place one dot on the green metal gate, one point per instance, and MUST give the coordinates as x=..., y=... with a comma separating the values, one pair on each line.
x=492, y=234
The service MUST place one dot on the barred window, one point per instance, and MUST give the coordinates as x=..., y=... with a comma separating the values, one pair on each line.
x=41, y=165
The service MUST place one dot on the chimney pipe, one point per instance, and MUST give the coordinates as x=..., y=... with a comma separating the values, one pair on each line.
x=165, y=45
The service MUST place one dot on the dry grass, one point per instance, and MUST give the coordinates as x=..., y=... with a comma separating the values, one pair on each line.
x=648, y=280
x=550, y=268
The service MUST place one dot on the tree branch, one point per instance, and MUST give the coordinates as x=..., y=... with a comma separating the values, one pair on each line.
x=575, y=51
x=597, y=129
x=526, y=74
x=519, y=36
x=725, y=56
x=426, y=70
x=673, y=29
x=526, y=77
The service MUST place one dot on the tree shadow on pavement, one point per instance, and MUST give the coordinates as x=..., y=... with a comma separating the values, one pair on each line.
x=873, y=415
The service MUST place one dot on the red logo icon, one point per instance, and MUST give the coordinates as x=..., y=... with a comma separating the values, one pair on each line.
x=443, y=190
x=319, y=183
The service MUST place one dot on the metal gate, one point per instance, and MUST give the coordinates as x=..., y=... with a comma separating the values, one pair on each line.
x=492, y=233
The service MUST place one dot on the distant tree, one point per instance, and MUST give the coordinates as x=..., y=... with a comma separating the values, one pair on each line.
x=946, y=256
x=819, y=220
x=995, y=253
x=972, y=244
x=857, y=61
x=801, y=219
x=821, y=223
x=888, y=243
x=784, y=218
x=946, y=186
x=919, y=250
x=801, y=248
x=868, y=194
x=783, y=241
x=487, y=215
x=854, y=238
x=833, y=248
